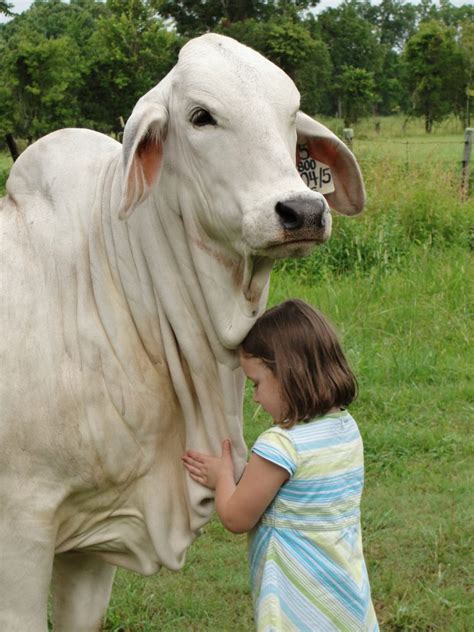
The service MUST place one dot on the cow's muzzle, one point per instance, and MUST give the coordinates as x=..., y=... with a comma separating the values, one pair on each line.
x=308, y=215
x=288, y=227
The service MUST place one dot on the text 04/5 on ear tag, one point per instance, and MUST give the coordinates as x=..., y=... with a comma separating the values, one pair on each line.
x=316, y=175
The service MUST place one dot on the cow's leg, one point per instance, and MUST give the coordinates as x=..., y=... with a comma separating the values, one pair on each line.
x=82, y=584
x=26, y=561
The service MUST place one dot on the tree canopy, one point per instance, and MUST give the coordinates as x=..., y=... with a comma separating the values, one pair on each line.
x=5, y=8
x=432, y=63
x=86, y=62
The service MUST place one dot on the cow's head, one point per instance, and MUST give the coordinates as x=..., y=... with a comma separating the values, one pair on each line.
x=226, y=123
x=221, y=143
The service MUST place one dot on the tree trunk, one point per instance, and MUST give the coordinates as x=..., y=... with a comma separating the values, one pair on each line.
x=12, y=146
x=239, y=10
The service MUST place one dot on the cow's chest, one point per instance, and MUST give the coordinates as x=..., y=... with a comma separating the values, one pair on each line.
x=111, y=523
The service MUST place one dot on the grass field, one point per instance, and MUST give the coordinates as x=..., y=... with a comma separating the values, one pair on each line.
x=407, y=335
x=398, y=284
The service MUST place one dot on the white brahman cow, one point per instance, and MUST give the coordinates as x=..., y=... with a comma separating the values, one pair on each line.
x=130, y=276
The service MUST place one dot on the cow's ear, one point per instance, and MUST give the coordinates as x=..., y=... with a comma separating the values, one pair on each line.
x=142, y=152
x=348, y=196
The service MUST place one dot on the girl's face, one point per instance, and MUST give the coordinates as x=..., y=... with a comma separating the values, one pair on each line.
x=267, y=391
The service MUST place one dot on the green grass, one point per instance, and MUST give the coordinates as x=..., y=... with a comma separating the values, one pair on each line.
x=407, y=336
x=398, y=284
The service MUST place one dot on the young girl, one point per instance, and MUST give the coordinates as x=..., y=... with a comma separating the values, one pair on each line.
x=300, y=492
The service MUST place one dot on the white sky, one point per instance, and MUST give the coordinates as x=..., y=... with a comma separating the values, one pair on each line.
x=22, y=5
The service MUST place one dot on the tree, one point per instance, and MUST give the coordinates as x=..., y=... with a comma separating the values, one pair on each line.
x=392, y=23
x=130, y=51
x=445, y=12
x=40, y=80
x=43, y=53
x=391, y=93
x=351, y=41
x=356, y=91
x=55, y=18
x=5, y=8
x=82, y=63
x=395, y=21
x=193, y=18
x=350, y=38
x=432, y=62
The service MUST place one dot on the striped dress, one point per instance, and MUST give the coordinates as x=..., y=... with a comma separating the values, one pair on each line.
x=306, y=562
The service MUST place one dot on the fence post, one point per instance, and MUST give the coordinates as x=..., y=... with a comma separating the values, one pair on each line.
x=348, y=135
x=120, y=128
x=12, y=146
x=466, y=163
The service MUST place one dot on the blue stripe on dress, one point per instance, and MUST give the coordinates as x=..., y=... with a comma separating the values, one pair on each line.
x=270, y=454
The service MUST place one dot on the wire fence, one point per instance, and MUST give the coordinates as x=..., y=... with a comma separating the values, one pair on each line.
x=460, y=160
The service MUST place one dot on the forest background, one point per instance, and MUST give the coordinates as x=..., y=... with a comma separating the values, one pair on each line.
x=84, y=63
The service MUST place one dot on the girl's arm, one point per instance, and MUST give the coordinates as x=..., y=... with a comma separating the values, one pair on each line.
x=240, y=506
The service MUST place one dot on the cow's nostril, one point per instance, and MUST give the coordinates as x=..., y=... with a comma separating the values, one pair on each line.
x=289, y=217
x=324, y=218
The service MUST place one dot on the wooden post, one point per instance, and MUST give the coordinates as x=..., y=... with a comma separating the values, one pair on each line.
x=347, y=136
x=12, y=146
x=120, y=128
x=466, y=163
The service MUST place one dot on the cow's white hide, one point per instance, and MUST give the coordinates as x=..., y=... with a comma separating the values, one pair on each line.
x=119, y=335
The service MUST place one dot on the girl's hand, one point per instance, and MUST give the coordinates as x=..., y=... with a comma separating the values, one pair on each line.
x=206, y=469
x=240, y=506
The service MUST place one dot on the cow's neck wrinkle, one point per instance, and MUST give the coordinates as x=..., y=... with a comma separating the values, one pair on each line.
x=208, y=385
x=255, y=281
x=118, y=276
x=147, y=287
x=182, y=388
x=206, y=291
x=233, y=284
x=157, y=265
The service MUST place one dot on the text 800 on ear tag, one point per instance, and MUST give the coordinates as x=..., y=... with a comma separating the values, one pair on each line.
x=316, y=175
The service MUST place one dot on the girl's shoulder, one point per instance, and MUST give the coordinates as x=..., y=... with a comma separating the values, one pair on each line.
x=276, y=445
x=325, y=431
x=339, y=419
x=331, y=424
x=275, y=434
x=275, y=429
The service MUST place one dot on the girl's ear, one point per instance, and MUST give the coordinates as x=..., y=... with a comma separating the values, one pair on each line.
x=142, y=153
x=346, y=192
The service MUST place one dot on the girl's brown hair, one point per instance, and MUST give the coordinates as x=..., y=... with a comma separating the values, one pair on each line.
x=301, y=348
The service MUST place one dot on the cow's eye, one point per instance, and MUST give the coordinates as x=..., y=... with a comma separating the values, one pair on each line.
x=202, y=117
